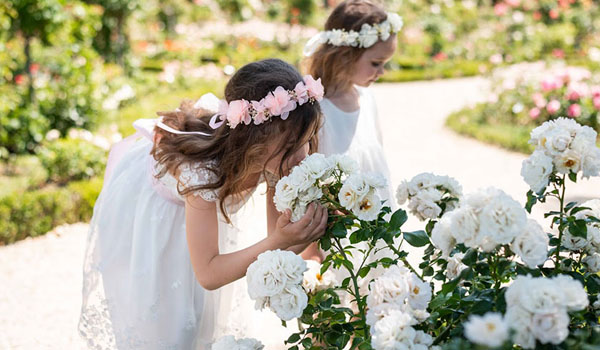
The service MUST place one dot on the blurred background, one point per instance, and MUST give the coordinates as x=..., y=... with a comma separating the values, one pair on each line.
x=75, y=74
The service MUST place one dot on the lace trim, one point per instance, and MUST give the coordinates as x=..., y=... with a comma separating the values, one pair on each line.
x=198, y=175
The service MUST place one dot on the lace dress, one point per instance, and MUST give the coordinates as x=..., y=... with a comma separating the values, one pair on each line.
x=139, y=288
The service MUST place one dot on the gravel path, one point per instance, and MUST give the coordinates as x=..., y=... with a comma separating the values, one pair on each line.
x=40, y=279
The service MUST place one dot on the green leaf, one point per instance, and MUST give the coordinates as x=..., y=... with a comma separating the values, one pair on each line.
x=531, y=200
x=578, y=228
x=294, y=338
x=339, y=230
x=364, y=271
x=417, y=238
x=470, y=257
x=398, y=219
x=325, y=243
x=573, y=176
x=578, y=209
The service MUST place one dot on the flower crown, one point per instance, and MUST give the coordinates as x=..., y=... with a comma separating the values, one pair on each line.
x=279, y=102
x=367, y=37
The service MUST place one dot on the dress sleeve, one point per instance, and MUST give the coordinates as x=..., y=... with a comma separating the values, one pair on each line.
x=198, y=175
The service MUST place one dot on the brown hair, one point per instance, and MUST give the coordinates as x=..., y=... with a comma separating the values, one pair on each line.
x=234, y=155
x=333, y=64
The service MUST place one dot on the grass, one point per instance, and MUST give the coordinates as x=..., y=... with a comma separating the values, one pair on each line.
x=468, y=122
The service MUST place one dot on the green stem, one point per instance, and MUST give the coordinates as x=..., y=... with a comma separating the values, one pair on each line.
x=406, y=263
x=357, y=296
x=560, y=226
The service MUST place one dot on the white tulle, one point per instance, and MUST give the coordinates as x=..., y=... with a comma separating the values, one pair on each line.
x=139, y=289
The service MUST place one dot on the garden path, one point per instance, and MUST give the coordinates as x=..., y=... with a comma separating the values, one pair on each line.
x=40, y=279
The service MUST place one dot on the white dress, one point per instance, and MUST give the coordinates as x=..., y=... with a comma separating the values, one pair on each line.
x=139, y=288
x=357, y=135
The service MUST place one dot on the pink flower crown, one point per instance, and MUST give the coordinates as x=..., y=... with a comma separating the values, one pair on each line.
x=277, y=103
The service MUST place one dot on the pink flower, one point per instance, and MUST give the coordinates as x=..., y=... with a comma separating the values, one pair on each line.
x=513, y=3
x=558, y=53
x=574, y=110
x=301, y=93
x=20, y=79
x=500, y=9
x=553, y=13
x=315, y=88
x=551, y=83
x=595, y=90
x=539, y=100
x=577, y=91
x=534, y=113
x=238, y=113
x=596, y=101
x=279, y=103
x=553, y=106
x=260, y=108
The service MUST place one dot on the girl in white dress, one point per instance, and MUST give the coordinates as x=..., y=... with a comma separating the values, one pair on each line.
x=156, y=256
x=359, y=38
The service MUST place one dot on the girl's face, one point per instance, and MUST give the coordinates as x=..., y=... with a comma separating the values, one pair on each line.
x=272, y=165
x=369, y=66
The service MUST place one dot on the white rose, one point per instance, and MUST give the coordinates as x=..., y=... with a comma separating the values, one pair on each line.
x=402, y=193
x=489, y=330
x=368, y=208
x=312, y=194
x=532, y=245
x=375, y=180
x=575, y=296
x=441, y=236
x=250, y=344
x=423, y=339
x=377, y=312
x=520, y=321
x=573, y=242
x=393, y=332
x=516, y=290
x=419, y=293
x=557, y=141
x=590, y=162
x=292, y=265
x=285, y=194
x=421, y=182
x=314, y=281
x=368, y=36
x=264, y=278
x=352, y=38
x=392, y=287
x=536, y=170
x=593, y=262
x=464, y=226
x=455, y=266
x=317, y=166
x=451, y=185
x=384, y=29
x=568, y=161
x=225, y=343
x=502, y=219
x=345, y=163
x=290, y=303
x=550, y=327
x=300, y=180
x=424, y=204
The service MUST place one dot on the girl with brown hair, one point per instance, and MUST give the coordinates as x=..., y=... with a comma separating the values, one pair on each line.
x=348, y=56
x=170, y=197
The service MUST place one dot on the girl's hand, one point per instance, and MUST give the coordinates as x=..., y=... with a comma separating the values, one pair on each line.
x=308, y=229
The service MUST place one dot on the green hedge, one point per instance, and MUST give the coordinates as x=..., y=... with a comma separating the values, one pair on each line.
x=34, y=213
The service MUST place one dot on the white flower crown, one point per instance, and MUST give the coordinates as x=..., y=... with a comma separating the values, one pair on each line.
x=369, y=34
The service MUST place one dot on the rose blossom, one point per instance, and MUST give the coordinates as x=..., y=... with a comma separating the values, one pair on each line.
x=553, y=106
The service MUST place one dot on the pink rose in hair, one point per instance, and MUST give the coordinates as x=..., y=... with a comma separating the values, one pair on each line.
x=534, y=113
x=301, y=93
x=238, y=113
x=553, y=106
x=279, y=103
x=262, y=114
x=223, y=108
x=315, y=88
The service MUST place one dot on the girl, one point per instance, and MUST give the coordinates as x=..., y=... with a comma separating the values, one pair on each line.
x=359, y=38
x=153, y=266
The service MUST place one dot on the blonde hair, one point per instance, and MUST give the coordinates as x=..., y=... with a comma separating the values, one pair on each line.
x=333, y=64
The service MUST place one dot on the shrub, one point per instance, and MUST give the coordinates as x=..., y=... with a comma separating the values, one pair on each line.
x=71, y=160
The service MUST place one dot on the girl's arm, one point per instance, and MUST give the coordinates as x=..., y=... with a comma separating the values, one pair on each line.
x=307, y=251
x=214, y=270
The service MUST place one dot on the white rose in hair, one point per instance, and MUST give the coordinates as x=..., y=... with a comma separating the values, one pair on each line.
x=384, y=29
x=536, y=170
x=335, y=37
x=368, y=208
x=368, y=35
x=488, y=330
x=395, y=21
x=290, y=303
x=532, y=245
